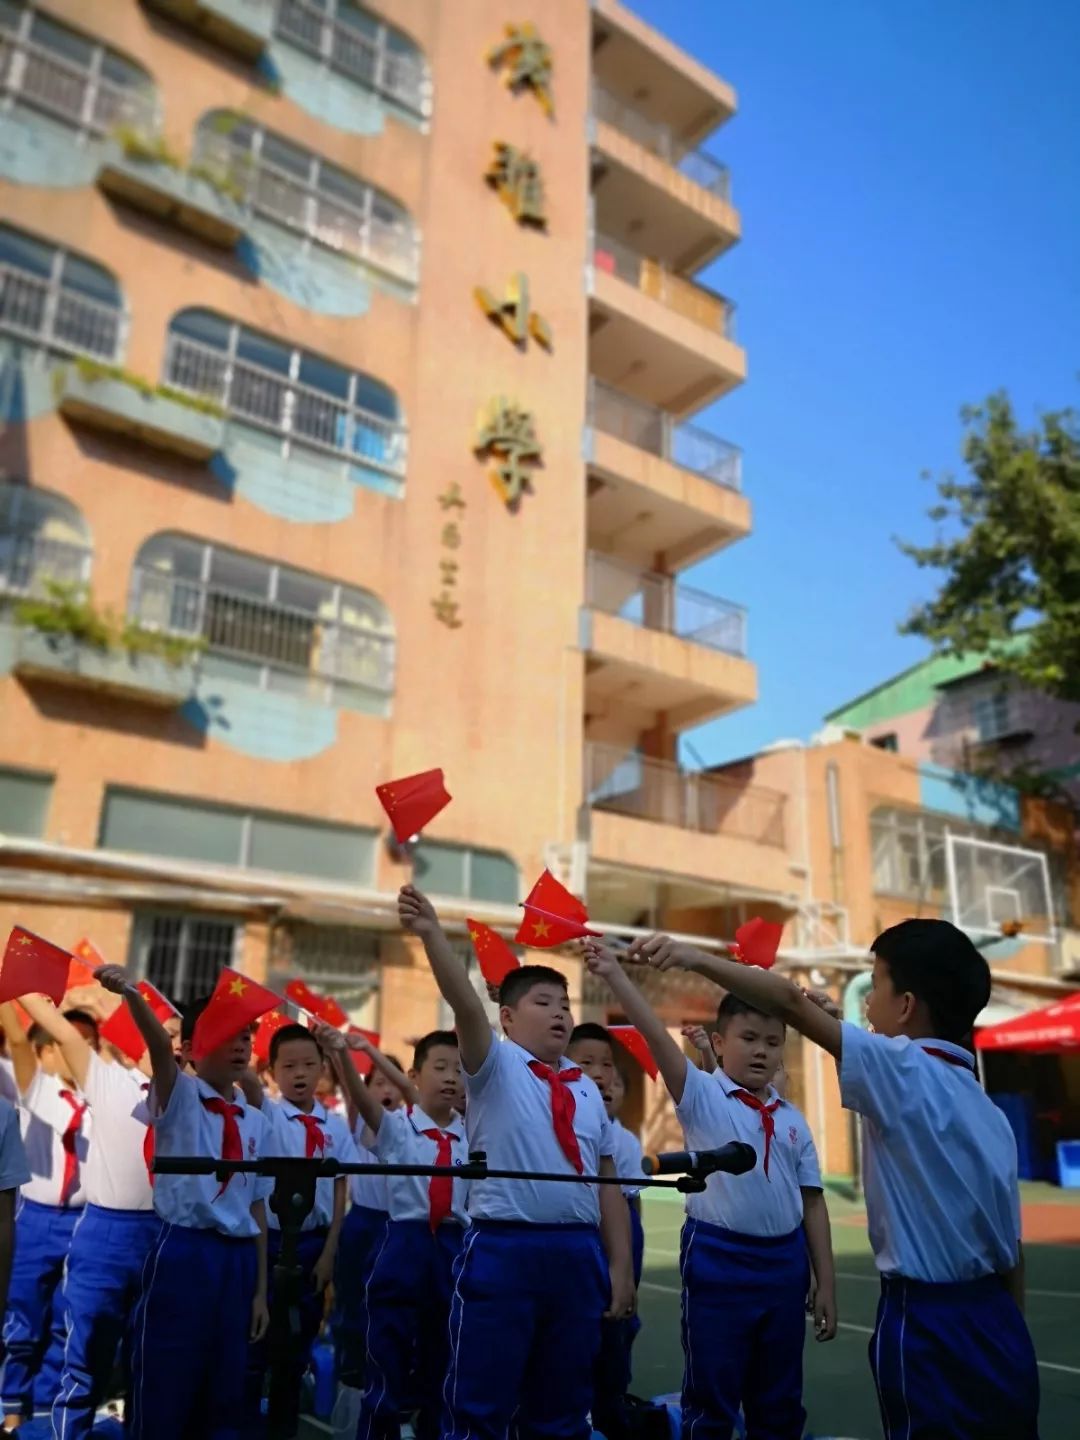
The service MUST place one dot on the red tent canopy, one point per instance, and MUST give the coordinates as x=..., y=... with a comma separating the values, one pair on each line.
x=1053, y=1028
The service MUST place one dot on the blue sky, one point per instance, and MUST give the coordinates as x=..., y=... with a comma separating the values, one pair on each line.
x=909, y=180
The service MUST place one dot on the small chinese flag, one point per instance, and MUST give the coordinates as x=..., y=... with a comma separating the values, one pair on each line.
x=552, y=915
x=268, y=1026
x=120, y=1028
x=235, y=1005
x=632, y=1040
x=493, y=954
x=757, y=942
x=360, y=1059
x=33, y=966
x=323, y=1007
x=412, y=802
x=88, y=958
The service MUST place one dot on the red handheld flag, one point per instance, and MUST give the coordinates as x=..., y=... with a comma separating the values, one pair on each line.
x=632, y=1040
x=757, y=942
x=120, y=1028
x=552, y=915
x=360, y=1058
x=493, y=954
x=268, y=1025
x=235, y=1005
x=413, y=802
x=87, y=959
x=33, y=966
x=322, y=1007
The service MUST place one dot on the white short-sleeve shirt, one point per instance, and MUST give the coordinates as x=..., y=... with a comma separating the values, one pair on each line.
x=627, y=1157
x=45, y=1115
x=400, y=1141
x=752, y=1204
x=14, y=1169
x=8, y=1089
x=287, y=1135
x=116, y=1176
x=508, y=1117
x=186, y=1127
x=939, y=1159
x=369, y=1191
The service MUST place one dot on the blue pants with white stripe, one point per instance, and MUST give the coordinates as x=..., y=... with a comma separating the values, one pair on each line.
x=190, y=1337
x=36, y=1326
x=524, y=1331
x=102, y=1284
x=408, y=1302
x=954, y=1362
x=743, y=1325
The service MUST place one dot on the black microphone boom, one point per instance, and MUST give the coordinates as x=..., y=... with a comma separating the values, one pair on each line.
x=734, y=1158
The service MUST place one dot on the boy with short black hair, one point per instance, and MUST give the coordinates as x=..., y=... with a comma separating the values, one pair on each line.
x=749, y=1240
x=951, y=1356
x=204, y=1284
x=532, y=1284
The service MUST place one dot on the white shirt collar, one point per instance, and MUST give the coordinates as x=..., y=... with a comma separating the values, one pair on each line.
x=317, y=1110
x=421, y=1121
x=729, y=1086
x=527, y=1055
x=207, y=1092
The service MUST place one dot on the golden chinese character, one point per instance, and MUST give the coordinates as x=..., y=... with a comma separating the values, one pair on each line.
x=513, y=315
x=509, y=433
x=447, y=610
x=451, y=535
x=449, y=570
x=515, y=175
x=452, y=498
x=528, y=62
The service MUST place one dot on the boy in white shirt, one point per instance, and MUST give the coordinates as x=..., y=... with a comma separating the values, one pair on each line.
x=749, y=1240
x=532, y=1283
x=204, y=1284
x=55, y=1123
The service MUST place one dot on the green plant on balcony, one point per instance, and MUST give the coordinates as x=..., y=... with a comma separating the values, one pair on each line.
x=219, y=179
x=66, y=614
x=145, y=147
x=93, y=371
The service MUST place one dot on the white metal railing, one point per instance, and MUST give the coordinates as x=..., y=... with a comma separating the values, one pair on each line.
x=28, y=563
x=330, y=221
x=44, y=312
x=647, y=427
x=657, y=602
x=661, y=140
x=688, y=297
x=364, y=58
x=294, y=411
x=279, y=639
x=627, y=783
x=39, y=77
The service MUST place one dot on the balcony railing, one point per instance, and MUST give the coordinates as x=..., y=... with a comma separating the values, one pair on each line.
x=292, y=410
x=656, y=602
x=366, y=59
x=324, y=218
x=687, y=297
x=626, y=783
x=293, y=650
x=28, y=563
x=45, y=313
x=661, y=140
x=39, y=77
x=649, y=428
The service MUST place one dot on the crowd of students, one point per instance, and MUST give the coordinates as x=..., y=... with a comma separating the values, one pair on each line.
x=476, y=1308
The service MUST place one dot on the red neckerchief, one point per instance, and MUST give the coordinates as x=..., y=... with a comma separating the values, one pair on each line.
x=314, y=1139
x=768, y=1124
x=563, y=1108
x=68, y=1141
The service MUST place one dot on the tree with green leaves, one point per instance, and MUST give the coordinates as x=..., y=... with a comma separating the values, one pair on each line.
x=1009, y=549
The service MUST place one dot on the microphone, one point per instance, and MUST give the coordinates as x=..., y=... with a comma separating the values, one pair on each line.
x=734, y=1158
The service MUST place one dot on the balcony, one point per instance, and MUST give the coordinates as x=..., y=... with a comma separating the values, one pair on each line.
x=655, y=648
x=51, y=318
x=242, y=26
x=658, y=336
x=42, y=80
x=659, y=486
x=650, y=815
x=646, y=181
x=124, y=674
x=112, y=402
x=370, y=60
x=183, y=198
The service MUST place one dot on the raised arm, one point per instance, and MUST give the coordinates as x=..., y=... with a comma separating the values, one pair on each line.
x=766, y=991
x=159, y=1045
x=699, y=1038
x=360, y=1097
x=73, y=1046
x=23, y=1060
x=475, y=1036
x=397, y=1077
x=668, y=1056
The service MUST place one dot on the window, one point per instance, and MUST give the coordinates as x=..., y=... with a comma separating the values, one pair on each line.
x=182, y=954
x=144, y=823
x=357, y=45
x=43, y=539
x=299, y=398
x=458, y=870
x=991, y=714
x=886, y=742
x=305, y=193
x=56, y=299
x=24, y=803
x=265, y=624
x=908, y=848
x=342, y=958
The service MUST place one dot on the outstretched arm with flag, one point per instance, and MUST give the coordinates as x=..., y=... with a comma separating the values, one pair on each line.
x=159, y=1045
x=73, y=1046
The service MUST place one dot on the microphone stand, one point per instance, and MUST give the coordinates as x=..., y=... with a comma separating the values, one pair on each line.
x=292, y=1200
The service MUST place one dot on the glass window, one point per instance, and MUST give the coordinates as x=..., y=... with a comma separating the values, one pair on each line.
x=457, y=870
x=201, y=325
x=26, y=253
x=24, y=802
x=145, y=824
x=59, y=300
x=89, y=279
x=304, y=847
x=357, y=44
x=493, y=877
x=182, y=954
